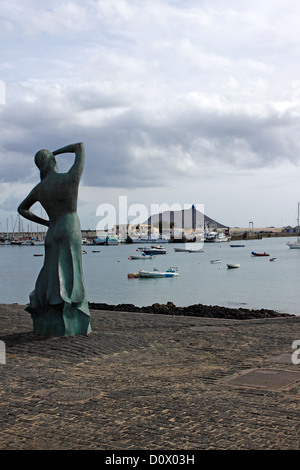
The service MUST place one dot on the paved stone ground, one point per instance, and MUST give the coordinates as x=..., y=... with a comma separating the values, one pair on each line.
x=143, y=381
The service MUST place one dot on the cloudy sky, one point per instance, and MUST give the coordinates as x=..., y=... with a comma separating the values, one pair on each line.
x=176, y=101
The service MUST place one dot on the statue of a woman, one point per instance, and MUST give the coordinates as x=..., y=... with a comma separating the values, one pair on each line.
x=58, y=305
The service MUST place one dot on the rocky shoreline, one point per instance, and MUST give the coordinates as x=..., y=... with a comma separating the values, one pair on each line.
x=197, y=310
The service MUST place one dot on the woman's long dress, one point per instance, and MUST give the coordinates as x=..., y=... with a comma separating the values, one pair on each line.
x=58, y=305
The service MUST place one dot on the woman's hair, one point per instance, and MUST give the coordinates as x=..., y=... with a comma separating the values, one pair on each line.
x=41, y=158
x=44, y=160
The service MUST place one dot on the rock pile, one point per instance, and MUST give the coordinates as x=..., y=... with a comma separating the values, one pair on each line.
x=197, y=310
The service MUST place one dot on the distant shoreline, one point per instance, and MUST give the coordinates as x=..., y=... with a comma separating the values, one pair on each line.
x=196, y=310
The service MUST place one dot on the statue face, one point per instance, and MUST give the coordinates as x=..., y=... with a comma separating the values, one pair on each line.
x=45, y=161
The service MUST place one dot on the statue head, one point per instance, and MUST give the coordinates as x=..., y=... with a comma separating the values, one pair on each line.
x=45, y=161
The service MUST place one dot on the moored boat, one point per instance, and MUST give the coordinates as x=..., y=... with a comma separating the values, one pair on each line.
x=216, y=237
x=171, y=272
x=232, y=266
x=153, y=250
x=141, y=256
x=295, y=245
x=187, y=250
x=259, y=254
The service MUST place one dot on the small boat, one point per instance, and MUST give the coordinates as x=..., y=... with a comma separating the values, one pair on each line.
x=95, y=251
x=259, y=254
x=295, y=245
x=84, y=252
x=141, y=256
x=171, y=272
x=232, y=266
x=153, y=250
x=273, y=259
x=237, y=246
x=215, y=261
x=38, y=255
x=187, y=250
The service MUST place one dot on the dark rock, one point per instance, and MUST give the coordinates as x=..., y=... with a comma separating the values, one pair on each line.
x=197, y=310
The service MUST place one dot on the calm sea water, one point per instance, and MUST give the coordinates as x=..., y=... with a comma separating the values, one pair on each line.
x=258, y=283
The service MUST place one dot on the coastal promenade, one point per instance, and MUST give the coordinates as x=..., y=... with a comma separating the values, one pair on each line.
x=142, y=381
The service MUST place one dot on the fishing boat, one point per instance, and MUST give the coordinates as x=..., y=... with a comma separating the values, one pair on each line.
x=215, y=237
x=171, y=272
x=232, y=266
x=140, y=239
x=259, y=254
x=187, y=250
x=153, y=250
x=273, y=259
x=141, y=256
x=215, y=261
x=295, y=245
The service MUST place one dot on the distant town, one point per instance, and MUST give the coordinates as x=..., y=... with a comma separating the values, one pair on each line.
x=168, y=227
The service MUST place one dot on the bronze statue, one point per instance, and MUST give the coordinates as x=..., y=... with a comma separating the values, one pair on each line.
x=58, y=305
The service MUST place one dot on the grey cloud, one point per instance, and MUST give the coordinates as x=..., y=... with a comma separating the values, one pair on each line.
x=163, y=100
x=134, y=148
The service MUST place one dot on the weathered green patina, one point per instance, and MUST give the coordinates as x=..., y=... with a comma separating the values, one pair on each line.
x=58, y=304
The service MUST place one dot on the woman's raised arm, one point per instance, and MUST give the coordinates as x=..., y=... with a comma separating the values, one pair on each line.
x=77, y=168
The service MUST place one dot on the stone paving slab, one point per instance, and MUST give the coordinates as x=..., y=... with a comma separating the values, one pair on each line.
x=148, y=382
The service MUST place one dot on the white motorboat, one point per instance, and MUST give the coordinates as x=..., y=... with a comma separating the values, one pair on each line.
x=148, y=240
x=221, y=237
x=295, y=245
x=171, y=272
x=232, y=266
x=215, y=261
x=215, y=237
x=210, y=236
x=141, y=256
x=187, y=250
x=153, y=250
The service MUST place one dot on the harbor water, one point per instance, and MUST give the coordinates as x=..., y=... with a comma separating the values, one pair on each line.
x=257, y=283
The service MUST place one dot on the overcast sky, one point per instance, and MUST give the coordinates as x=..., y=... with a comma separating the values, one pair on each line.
x=176, y=101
